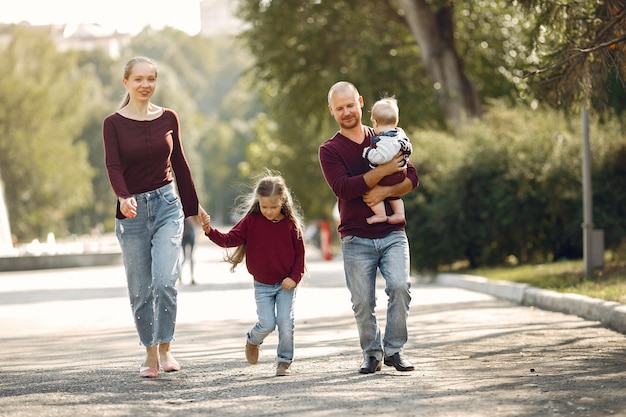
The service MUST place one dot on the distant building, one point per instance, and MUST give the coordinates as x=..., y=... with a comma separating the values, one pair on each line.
x=84, y=37
x=88, y=37
x=216, y=17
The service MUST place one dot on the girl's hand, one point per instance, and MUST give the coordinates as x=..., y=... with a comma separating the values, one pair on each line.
x=128, y=207
x=199, y=219
x=289, y=284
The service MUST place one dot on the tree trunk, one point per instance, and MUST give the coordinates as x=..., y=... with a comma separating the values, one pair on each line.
x=433, y=32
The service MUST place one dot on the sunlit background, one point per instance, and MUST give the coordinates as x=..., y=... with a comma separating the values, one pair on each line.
x=120, y=15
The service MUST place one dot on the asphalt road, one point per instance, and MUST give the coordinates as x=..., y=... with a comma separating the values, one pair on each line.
x=69, y=348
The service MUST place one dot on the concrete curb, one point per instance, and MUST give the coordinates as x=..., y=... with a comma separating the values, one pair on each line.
x=610, y=314
x=32, y=262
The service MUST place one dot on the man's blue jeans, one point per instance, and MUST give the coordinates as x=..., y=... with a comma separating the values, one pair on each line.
x=362, y=258
x=274, y=307
x=151, y=245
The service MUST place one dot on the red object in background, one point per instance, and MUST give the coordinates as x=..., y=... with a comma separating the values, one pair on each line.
x=325, y=240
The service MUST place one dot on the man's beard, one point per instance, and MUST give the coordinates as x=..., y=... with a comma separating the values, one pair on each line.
x=350, y=123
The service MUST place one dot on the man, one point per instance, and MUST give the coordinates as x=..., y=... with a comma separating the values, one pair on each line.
x=367, y=248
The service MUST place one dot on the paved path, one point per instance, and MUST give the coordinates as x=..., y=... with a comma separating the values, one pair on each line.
x=69, y=348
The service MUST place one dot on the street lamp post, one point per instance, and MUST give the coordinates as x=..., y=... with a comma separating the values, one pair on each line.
x=587, y=225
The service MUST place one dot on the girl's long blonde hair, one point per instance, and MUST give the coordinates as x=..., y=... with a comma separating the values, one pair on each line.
x=269, y=185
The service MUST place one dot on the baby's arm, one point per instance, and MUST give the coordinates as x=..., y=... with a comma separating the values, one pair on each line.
x=384, y=151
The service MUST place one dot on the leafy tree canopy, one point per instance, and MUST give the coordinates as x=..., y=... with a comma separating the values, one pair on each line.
x=580, y=49
x=45, y=171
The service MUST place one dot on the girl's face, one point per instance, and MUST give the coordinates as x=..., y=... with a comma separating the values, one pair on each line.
x=270, y=208
x=142, y=82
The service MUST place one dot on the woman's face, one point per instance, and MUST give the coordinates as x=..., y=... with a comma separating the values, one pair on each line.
x=142, y=82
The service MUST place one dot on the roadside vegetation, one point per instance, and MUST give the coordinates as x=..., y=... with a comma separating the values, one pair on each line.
x=497, y=141
x=607, y=283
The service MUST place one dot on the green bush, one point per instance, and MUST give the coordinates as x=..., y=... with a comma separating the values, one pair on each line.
x=507, y=189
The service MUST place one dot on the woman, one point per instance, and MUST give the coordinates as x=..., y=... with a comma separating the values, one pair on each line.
x=143, y=153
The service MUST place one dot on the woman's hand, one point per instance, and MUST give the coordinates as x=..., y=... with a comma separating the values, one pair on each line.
x=128, y=207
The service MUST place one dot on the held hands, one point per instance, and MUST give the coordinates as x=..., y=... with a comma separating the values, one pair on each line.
x=205, y=220
x=128, y=207
x=289, y=284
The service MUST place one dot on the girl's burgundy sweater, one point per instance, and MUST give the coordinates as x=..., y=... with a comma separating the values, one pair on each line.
x=274, y=250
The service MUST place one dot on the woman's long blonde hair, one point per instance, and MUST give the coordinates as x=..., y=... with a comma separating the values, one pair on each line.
x=270, y=185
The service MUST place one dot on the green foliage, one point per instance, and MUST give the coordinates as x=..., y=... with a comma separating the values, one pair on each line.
x=45, y=171
x=493, y=37
x=299, y=164
x=102, y=99
x=520, y=162
x=204, y=80
x=565, y=276
x=207, y=69
x=302, y=47
x=580, y=48
x=509, y=188
x=488, y=191
x=609, y=172
x=49, y=111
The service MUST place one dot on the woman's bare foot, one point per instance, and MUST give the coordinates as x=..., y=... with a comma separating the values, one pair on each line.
x=150, y=367
x=168, y=363
x=152, y=358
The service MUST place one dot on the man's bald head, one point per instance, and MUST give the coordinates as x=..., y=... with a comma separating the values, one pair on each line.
x=342, y=87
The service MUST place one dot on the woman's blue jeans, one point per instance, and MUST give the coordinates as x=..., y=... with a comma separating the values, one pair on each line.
x=274, y=307
x=362, y=258
x=150, y=246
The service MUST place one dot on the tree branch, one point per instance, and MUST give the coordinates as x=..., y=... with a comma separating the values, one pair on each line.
x=578, y=52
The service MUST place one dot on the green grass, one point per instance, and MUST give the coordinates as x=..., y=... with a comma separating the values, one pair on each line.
x=608, y=283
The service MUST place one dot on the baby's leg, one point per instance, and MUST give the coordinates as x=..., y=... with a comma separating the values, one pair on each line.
x=379, y=214
x=397, y=206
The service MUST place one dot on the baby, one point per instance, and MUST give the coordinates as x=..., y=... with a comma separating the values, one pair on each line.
x=389, y=140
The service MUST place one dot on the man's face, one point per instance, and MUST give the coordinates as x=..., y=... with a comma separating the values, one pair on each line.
x=346, y=108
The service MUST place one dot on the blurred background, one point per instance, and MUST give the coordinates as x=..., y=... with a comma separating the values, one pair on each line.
x=490, y=93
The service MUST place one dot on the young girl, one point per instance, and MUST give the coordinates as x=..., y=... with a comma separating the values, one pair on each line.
x=269, y=236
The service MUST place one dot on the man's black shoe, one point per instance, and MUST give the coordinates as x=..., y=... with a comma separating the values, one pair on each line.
x=370, y=365
x=400, y=363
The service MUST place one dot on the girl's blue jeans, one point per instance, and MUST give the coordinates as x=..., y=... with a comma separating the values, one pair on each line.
x=274, y=307
x=150, y=246
x=362, y=258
